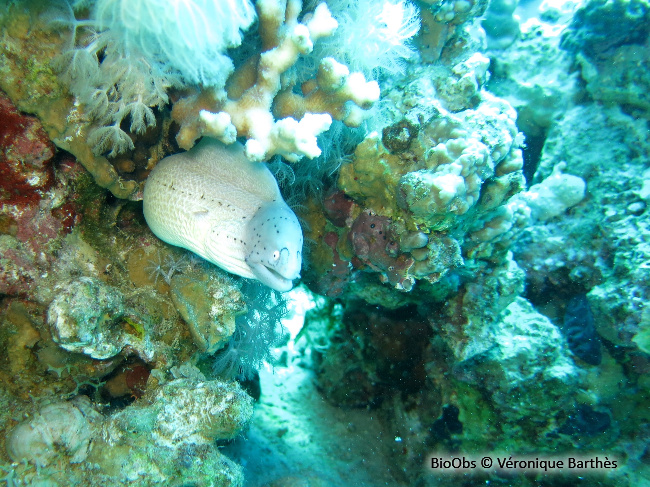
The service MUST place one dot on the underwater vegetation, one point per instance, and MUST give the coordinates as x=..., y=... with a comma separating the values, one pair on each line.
x=467, y=190
x=121, y=62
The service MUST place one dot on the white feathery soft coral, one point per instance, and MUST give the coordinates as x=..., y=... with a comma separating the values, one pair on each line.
x=374, y=36
x=189, y=37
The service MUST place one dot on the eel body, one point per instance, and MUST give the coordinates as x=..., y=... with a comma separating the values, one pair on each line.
x=214, y=202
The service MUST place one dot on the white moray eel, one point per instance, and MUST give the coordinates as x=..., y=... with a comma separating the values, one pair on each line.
x=213, y=201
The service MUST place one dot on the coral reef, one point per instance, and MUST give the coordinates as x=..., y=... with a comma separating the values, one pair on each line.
x=161, y=433
x=431, y=195
x=182, y=412
x=88, y=328
x=26, y=170
x=447, y=28
x=534, y=75
x=113, y=336
x=615, y=256
x=32, y=84
x=554, y=195
x=171, y=430
x=501, y=24
x=475, y=219
x=612, y=63
x=34, y=212
x=110, y=110
x=526, y=363
x=435, y=205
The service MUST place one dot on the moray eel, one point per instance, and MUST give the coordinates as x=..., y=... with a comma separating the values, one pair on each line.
x=213, y=201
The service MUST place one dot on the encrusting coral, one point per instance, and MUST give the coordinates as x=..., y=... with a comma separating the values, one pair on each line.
x=432, y=193
x=60, y=428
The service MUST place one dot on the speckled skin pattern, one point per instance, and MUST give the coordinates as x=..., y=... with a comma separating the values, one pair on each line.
x=215, y=202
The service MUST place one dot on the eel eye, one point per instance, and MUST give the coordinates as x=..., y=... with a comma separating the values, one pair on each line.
x=276, y=255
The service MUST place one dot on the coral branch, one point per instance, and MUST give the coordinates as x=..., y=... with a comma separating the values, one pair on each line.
x=291, y=128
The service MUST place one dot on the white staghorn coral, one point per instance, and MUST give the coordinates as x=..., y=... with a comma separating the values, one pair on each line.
x=262, y=105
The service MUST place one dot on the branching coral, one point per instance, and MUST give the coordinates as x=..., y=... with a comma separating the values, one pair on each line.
x=105, y=97
x=261, y=106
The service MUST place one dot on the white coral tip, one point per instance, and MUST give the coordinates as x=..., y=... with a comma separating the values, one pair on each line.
x=321, y=24
x=302, y=39
x=331, y=74
x=363, y=93
x=254, y=150
x=293, y=139
x=218, y=125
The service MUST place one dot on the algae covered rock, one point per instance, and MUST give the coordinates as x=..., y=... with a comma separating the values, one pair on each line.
x=528, y=357
x=534, y=76
x=520, y=386
x=83, y=316
x=607, y=255
x=613, y=61
x=58, y=430
x=168, y=434
x=209, y=303
x=198, y=413
x=184, y=411
x=501, y=24
x=554, y=195
x=172, y=431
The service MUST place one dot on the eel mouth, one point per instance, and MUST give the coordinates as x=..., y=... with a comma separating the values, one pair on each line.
x=282, y=277
x=272, y=278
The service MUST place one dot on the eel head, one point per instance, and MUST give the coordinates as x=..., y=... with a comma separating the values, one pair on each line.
x=274, y=245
